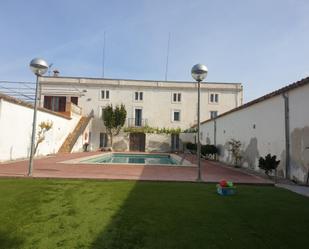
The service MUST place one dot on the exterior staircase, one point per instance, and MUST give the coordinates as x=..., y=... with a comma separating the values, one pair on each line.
x=71, y=139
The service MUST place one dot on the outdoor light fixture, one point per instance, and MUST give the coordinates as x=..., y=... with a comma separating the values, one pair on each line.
x=38, y=67
x=199, y=73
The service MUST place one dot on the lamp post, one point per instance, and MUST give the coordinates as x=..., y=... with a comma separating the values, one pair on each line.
x=199, y=73
x=38, y=67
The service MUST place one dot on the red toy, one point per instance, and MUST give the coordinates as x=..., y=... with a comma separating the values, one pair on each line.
x=223, y=183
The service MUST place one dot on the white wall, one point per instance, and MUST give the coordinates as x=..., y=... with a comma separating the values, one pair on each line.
x=16, y=129
x=261, y=129
x=299, y=131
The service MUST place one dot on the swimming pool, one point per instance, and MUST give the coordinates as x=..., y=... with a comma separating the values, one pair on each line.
x=136, y=158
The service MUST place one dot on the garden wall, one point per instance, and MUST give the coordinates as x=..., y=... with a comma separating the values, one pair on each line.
x=260, y=126
x=16, y=128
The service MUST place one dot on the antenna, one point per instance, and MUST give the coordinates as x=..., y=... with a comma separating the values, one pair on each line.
x=49, y=67
x=103, y=56
x=167, y=54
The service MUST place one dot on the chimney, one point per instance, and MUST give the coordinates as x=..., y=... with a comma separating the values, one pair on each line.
x=56, y=73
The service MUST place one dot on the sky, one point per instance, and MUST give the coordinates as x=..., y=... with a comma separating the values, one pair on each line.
x=263, y=44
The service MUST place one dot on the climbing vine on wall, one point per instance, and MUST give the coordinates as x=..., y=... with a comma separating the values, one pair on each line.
x=148, y=129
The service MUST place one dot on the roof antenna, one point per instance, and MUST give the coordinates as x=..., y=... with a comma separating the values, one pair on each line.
x=49, y=68
x=103, y=56
x=167, y=54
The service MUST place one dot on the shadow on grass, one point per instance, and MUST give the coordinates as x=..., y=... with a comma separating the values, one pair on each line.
x=172, y=215
x=9, y=241
x=192, y=215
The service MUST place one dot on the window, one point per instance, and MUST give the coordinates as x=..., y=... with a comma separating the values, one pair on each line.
x=213, y=114
x=176, y=97
x=176, y=116
x=74, y=100
x=104, y=94
x=55, y=103
x=138, y=96
x=214, y=98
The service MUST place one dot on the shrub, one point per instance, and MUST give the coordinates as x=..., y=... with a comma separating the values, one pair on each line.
x=235, y=150
x=191, y=146
x=209, y=150
x=268, y=164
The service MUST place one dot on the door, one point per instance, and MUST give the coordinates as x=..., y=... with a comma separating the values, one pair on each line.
x=138, y=117
x=103, y=140
x=175, y=142
x=137, y=141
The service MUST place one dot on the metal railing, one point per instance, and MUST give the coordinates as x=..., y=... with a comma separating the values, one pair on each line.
x=136, y=122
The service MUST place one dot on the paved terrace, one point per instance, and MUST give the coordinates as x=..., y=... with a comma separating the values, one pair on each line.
x=51, y=167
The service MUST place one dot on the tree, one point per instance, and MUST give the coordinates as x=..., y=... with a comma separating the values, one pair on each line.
x=114, y=119
x=44, y=127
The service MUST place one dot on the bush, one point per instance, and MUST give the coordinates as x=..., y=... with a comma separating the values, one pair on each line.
x=268, y=164
x=191, y=146
x=209, y=150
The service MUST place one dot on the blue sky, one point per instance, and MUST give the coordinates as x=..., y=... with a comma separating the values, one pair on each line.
x=262, y=44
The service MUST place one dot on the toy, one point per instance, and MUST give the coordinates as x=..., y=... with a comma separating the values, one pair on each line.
x=226, y=188
x=230, y=184
x=223, y=183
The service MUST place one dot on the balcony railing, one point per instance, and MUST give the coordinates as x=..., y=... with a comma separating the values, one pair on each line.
x=136, y=122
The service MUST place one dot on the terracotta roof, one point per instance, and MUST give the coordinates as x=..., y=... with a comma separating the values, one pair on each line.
x=26, y=104
x=282, y=90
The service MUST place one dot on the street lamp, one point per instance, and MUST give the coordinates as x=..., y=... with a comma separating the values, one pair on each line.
x=38, y=67
x=199, y=73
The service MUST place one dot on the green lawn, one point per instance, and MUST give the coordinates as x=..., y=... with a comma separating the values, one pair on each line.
x=125, y=214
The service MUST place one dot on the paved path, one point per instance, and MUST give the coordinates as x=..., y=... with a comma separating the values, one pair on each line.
x=50, y=167
x=302, y=190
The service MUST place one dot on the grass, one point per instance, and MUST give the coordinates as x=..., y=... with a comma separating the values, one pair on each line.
x=126, y=214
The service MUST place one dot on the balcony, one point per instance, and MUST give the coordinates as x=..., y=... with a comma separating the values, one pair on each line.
x=137, y=122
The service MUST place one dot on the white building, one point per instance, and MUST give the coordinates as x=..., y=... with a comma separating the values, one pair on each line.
x=167, y=104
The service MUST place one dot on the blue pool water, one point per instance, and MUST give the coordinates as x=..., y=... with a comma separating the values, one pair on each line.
x=133, y=159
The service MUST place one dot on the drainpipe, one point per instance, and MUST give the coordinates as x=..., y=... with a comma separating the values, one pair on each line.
x=287, y=134
x=215, y=136
x=236, y=97
x=0, y=107
x=215, y=131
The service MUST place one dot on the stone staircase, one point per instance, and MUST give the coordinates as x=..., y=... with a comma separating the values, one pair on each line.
x=71, y=139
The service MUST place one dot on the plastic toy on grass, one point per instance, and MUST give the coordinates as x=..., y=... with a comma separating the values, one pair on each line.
x=226, y=188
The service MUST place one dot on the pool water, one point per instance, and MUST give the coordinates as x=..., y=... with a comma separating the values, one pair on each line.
x=133, y=159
